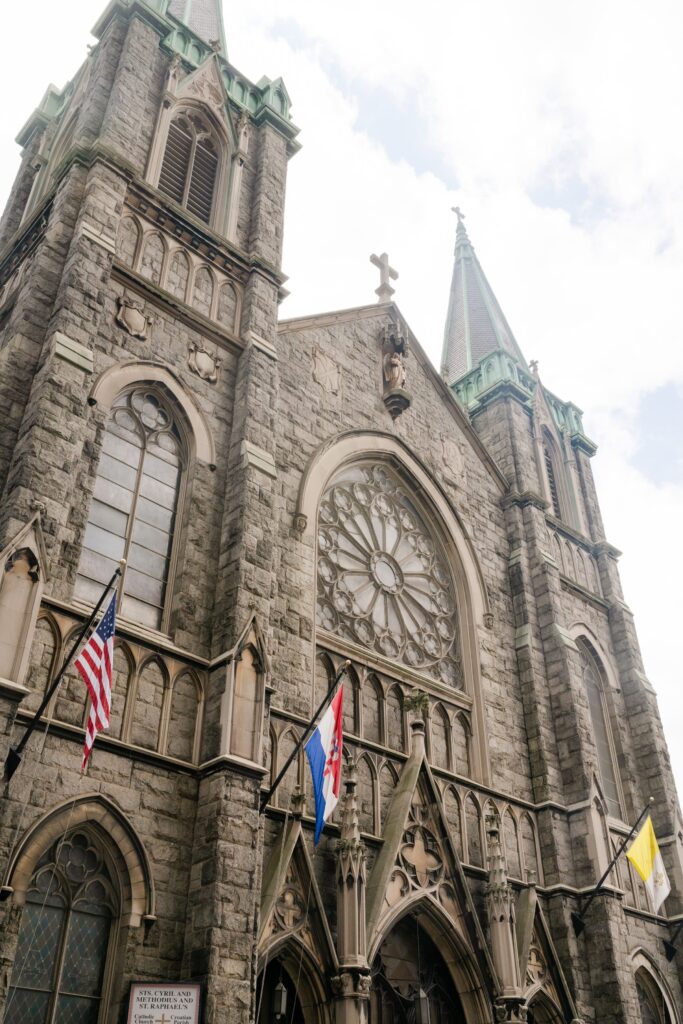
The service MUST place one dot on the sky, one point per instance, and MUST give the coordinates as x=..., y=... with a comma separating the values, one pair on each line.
x=556, y=128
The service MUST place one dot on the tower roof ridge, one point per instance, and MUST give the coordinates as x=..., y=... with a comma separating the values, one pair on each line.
x=475, y=323
x=203, y=17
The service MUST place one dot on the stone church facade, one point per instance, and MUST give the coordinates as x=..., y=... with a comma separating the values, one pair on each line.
x=289, y=496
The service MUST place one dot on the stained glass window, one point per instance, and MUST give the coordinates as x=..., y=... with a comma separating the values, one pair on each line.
x=383, y=576
x=64, y=937
x=134, y=506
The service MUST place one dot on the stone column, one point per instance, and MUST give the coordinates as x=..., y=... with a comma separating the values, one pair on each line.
x=500, y=906
x=352, y=985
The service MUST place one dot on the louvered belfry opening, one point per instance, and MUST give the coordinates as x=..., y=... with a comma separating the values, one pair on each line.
x=190, y=165
x=552, y=482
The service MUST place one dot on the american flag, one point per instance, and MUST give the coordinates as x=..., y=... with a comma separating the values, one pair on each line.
x=95, y=665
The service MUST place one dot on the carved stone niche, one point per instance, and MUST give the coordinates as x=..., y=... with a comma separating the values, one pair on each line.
x=21, y=588
x=394, y=353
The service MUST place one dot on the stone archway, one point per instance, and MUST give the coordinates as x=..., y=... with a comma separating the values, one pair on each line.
x=407, y=968
x=307, y=998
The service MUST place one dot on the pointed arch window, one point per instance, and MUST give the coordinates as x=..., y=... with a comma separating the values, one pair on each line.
x=651, y=1002
x=383, y=576
x=134, y=509
x=65, y=936
x=189, y=169
x=602, y=733
x=551, y=472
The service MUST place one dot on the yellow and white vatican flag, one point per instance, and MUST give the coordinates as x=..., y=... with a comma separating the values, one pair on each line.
x=647, y=860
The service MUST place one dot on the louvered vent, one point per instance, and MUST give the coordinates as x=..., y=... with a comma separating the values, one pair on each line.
x=202, y=181
x=552, y=482
x=175, y=166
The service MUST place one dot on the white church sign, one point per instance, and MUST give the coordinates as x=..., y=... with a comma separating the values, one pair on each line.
x=164, y=1004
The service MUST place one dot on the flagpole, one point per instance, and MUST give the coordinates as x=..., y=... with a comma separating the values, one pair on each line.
x=265, y=799
x=578, y=919
x=13, y=759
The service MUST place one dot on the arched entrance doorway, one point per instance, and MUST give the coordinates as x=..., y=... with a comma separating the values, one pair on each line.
x=411, y=982
x=277, y=997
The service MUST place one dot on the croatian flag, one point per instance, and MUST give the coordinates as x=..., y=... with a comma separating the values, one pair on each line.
x=324, y=752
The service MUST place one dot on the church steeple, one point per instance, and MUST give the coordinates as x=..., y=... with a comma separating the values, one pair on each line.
x=203, y=17
x=475, y=325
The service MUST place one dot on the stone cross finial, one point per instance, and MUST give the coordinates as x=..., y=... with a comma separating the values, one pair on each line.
x=458, y=213
x=385, y=291
x=533, y=366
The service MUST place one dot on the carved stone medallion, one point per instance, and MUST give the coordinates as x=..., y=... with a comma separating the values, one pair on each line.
x=203, y=363
x=132, y=318
x=325, y=372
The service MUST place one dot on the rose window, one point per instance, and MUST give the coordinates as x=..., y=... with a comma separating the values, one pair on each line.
x=383, y=579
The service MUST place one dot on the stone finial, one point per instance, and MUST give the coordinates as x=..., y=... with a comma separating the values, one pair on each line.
x=385, y=291
x=501, y=913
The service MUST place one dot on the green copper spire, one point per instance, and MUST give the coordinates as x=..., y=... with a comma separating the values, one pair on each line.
x=475, y=325
x=203, y=17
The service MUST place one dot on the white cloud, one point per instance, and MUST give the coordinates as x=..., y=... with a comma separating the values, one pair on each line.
x=559, y=124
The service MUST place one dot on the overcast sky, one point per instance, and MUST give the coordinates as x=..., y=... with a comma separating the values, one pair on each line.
x=556, y=128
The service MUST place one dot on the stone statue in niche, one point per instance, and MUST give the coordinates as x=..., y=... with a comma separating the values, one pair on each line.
x=394, y=352
x=132, y=318
x=203, y=363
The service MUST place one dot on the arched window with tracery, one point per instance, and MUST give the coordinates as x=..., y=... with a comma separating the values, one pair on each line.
x=383, y=577
x=65, y=935
x=190, y=166
x=134, y=508
x=651, y=1000
x=602, y=732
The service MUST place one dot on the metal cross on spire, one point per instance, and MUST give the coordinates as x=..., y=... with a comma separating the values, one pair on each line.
x=458, y=213
x=385, y=291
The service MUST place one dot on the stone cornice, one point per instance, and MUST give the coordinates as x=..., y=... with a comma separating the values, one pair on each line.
x=515, y=499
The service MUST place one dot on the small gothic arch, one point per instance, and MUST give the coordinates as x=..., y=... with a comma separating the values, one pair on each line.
x=190, y=170
x=350, y=703
x=453, y=811
x=149, y=699
x=137, y=885
x=178, y=274
x=153, y=254
x=186, y=704
x=373, y=709
x=531, y=861
x=440, y=738
x=473, y=846
x=324, y=674
x=128, y=240
x=387, y=782
x=462, y=734
x=287, y=740
x=396, y=727
x=203, y=290
x=122, y=680
x=46, y=653
x=366, y=791
x=511, y=844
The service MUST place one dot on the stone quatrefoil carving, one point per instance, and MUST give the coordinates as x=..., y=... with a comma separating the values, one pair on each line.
x=383, y=580
x=422, y=857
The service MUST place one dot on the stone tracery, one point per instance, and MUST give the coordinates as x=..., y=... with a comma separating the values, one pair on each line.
x=383, y=578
